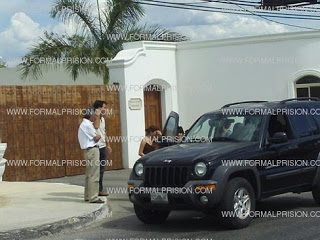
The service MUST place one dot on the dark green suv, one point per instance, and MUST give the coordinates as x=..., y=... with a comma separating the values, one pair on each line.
x=229, y=159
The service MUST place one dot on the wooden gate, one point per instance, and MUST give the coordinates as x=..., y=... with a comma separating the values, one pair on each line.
x=152, y=107
x=40, y=125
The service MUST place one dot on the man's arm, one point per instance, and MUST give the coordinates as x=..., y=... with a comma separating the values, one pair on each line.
x=91, y=133
x=96, y=122
x=96, y=138
x=142, y=145
x=109, y=149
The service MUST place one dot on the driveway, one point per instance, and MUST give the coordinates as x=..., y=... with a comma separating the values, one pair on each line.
x=123, y=224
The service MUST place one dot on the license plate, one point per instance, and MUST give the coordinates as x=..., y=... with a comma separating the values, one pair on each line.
x=159, y=197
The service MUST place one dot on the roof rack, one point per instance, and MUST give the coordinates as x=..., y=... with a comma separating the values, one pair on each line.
x=301, y=99
x=231, y=104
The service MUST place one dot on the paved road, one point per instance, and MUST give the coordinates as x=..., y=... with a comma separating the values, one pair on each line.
x=192, y=225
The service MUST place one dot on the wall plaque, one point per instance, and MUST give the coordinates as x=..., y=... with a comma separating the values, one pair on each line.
x=135, y=103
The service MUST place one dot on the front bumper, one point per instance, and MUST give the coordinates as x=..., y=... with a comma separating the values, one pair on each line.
x=183, y=198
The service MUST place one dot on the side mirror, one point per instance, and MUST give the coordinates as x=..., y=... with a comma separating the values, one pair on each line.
x=279, y=137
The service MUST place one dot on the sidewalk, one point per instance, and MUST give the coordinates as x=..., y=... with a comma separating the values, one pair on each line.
x=33, y=209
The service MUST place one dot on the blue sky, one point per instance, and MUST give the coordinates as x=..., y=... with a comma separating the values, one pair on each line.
x=22, y=22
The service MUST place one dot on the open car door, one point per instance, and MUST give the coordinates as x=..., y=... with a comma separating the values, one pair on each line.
x=170, y=130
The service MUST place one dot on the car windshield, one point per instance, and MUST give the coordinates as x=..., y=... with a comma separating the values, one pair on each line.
x=220, y=127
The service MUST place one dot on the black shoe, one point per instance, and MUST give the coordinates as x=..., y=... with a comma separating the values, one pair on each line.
x=103, y=194
x=98, y=201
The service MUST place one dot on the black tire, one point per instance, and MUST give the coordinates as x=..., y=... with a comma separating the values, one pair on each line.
x=150, y=216
x=235, y=220
x=316, y=194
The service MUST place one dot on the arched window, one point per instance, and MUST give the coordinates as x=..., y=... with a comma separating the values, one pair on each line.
x=308, y=86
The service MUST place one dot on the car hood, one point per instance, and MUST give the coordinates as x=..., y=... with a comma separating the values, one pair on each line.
x=188, y=152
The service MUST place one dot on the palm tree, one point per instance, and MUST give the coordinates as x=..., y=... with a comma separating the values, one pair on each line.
x=83, y=51
x=2, y=64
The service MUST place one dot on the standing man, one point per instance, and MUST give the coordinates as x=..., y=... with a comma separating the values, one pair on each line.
x=104, y=147
x=88, y=139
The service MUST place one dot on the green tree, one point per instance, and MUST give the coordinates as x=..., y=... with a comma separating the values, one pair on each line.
x=98, y=37
x=2, y=64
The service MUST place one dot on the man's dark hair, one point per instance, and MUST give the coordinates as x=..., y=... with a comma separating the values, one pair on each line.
x=89, y=113
x=180, y=130
x=152, y=128
x=98, y=104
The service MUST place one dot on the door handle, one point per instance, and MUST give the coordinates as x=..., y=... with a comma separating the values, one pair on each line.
x=287, y=149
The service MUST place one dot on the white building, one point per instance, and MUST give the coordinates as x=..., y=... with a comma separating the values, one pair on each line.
x=198, y=77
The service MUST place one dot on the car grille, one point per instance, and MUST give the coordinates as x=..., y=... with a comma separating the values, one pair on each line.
x=166, y=176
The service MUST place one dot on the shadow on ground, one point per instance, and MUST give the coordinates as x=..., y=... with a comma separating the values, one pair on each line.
x=178, y=222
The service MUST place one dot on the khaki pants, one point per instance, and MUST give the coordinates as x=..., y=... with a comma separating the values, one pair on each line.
x=91, y=189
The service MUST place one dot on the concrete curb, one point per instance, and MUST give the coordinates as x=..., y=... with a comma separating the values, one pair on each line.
x=57, y=227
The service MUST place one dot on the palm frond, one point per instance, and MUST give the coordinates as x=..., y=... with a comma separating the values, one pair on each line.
x=73, y=53
x=119, y=17
x=77, y=11
x=121, y=13
x=2, y=64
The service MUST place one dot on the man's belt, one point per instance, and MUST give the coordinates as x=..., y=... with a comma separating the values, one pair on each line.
x=96, y=146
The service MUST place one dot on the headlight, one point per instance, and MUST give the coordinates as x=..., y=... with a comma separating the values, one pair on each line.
x=200, y=169
x=138, y=169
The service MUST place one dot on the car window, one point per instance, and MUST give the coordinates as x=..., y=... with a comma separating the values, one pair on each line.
x=244, y=128
x=314, y=127
x=301, y=125
x=171, y=127
x=204, y=129
x=316, y=117
x=233, y=127
x=279, y=123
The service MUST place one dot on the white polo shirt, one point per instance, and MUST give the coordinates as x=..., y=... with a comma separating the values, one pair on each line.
x=102, y=132
x=86, y=133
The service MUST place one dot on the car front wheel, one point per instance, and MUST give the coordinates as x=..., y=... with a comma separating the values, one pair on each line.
x=150, y=216
x=237, y=204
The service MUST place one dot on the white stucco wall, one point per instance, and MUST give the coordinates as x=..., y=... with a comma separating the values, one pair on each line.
x=137, y=66
x=205, y=75
x=11, y=77
x=263, y=68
